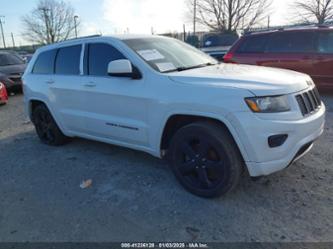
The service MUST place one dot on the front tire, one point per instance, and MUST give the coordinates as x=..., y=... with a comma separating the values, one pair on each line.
x=205, y=159
x=46, y=128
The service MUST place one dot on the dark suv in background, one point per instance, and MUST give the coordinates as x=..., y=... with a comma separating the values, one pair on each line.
x=217, y=45
x=12, y=67
x=308, y=50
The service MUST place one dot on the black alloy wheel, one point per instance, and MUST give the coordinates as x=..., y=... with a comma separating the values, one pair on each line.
x=205, y=159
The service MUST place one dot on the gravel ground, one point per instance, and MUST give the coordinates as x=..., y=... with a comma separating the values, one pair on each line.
x=134, y=196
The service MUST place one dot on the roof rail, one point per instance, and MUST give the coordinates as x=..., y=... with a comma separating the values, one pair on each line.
x=259, y=30
x=325, y=25
x=281, y=28
x=83, y=37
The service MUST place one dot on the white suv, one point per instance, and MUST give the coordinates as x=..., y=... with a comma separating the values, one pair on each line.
x=164, y=97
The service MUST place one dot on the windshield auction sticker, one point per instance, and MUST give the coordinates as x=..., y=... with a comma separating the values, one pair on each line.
x=150, y=54
x=165, y=66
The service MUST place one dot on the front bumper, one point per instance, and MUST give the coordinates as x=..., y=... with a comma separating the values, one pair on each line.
x=260, y=158
x=3, y=94
x=3, y=101
x=13, y=84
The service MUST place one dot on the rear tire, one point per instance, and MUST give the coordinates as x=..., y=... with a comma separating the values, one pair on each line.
x=205, y=159
x=46, y=127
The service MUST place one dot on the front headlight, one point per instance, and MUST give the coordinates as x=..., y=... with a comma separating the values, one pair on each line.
x=268, y=104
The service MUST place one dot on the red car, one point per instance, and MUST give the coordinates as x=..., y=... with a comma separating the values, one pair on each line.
x=3, y=94
x=307, y=49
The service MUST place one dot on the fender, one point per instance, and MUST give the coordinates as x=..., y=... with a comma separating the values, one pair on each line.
x=216, y=116
x=45, y=102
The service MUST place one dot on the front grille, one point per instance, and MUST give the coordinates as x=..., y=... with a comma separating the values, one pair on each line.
x=309, y=101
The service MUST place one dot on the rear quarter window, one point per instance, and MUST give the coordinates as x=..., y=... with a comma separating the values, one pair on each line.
x=325, y=42
x=253, y=44
x=45, y=62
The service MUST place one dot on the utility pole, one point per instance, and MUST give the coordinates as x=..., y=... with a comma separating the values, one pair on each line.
x=13, y=40
x=194, y=15
x=46, y=23
x=184, y=32
x=3, y=36
x=75, y=25
x=269, y=22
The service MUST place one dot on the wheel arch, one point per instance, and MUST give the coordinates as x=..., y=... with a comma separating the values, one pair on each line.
x=176, y=121
x=34, y=102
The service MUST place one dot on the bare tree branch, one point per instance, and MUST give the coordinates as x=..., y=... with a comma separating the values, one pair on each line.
x=51, y=21
x=230, y=15
x=310, y=11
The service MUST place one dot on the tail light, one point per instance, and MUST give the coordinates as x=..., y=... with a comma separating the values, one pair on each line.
x=228, y=57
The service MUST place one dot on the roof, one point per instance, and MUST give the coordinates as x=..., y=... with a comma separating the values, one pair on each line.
x=93, y=37
x=118, y=37
x=131, y=36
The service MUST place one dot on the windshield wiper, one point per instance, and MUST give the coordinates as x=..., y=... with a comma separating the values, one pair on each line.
x=179, y=69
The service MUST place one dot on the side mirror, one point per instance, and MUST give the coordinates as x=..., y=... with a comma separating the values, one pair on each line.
x=123, y=68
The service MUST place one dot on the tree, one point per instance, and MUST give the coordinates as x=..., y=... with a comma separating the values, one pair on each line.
x=230, y=15
x=319, y=11
x=52, y=21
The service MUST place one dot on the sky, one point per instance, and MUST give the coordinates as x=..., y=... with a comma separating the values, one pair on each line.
x=121, y=16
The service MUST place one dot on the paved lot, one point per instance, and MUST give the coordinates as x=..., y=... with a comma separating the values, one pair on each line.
x=134, y=197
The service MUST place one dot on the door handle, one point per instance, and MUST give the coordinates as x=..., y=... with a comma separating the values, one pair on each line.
x=49, y=81
x=90, y=84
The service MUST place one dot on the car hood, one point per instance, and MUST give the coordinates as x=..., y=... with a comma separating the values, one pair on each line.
x=13, y=69
x=261, y=81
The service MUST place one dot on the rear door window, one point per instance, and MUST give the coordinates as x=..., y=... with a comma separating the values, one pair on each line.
x=45, y=62
x=325, y=42
x=98, y=57
x=68, y=60
x=253, y=44
x=291, y=42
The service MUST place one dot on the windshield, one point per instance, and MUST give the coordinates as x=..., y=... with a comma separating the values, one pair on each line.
x=10, y=59
x=169, y=55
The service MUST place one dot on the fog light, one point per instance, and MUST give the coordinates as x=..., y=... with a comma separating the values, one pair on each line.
x=277, y=140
